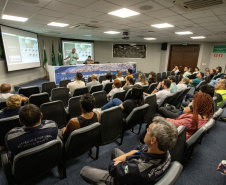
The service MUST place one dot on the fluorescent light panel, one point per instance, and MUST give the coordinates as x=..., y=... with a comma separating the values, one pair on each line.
x=149, y=38
x=123, y=13
x=198, y=37
x=112, y=32
x=164, y=25
x=184, y=33
x=14, y=18
x=57, y=24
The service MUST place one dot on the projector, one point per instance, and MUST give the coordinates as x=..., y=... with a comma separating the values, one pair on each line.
x=125, y=35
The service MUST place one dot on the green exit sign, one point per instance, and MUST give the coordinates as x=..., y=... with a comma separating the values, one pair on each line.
x=185, y=44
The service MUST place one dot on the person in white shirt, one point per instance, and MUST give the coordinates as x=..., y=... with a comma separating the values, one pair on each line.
x=183, y=84
x=5, y=93
x=93, y=82
x=196, y=70
x=108, y=79
x=119, y=76
x=161, y=94
x=186, y=71
x=141, y=80
x=76, y=84
x=176, y=70
x=116, y=87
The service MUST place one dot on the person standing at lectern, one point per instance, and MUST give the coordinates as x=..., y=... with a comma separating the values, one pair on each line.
x=73, y=57
x=89, y=61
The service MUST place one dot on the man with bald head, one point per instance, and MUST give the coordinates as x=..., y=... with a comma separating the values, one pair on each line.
x=93, y=82
x=5, y=93
x=73, y=57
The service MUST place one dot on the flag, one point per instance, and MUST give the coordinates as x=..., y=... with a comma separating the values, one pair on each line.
x=53, y=57
x=60, y=56
x=44, y=57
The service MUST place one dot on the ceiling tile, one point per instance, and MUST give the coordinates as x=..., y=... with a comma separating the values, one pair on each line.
x=106, y=17
x=220, y=11
x=52, y=13
x=18, y=13
x=103, y=6
x=80, y=3
x=59, y=6
x=173, y=18
x=87, y=13
x=164, y=3
x=44, y=18
x=21, y=7
x=126, y=3
x=39, y=3
x=222, y=17
x=146, y=3
x=206, y=19
x=199, y=14
x=140, y=17
x=162, y=13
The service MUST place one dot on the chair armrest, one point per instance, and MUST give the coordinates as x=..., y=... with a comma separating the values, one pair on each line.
x=7, y=168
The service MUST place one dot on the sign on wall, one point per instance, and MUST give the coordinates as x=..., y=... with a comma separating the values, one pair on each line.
x=219, y=49
x=129, y=51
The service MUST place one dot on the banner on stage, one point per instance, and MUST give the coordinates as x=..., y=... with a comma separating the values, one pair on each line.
x=69, y=72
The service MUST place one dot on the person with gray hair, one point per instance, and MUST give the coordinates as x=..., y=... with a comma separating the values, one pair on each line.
x=144, y=165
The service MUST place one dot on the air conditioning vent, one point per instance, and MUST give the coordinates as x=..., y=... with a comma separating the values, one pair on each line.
x=85, y=26
x=198, y=4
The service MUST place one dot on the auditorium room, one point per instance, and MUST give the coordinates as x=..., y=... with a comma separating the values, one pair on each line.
x=123, y=92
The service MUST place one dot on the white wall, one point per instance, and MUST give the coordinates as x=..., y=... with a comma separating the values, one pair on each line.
x=103, y=54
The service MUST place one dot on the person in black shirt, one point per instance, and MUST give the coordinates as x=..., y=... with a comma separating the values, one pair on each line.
x=143, y=166
x=152, y=78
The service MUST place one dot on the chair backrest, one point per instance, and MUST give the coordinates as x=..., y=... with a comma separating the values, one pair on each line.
x=61, y=93
x=111, y=125
x=28, y=91
x=218, y=113
x=128, y=94
x=6, y=124
x=176, y=95
x=108, y=87
x=210, y=123
x=168, y=73
x=101, y=98
x=54, y=111
x=177, y=152
x=159, y=77
x=152, y=88
x=89, y=79
x=74, y=108
x=36, y=161
x=39, y=99
x=177, y=77
x=164, y=76
x=180, y=77
x=181, y=97
x=136, y=117
x=172, y=174
x=83, y=79
x=166, y=100
x=151, y=101
x=200, y=84
x=95, y=88
x=136, y=75
x=222, y=105
x=114, y=76
x=102, y=78
x=80, y=91
x=2, y=105
x=145, y=88
x=48, y=86
x=119, y=95
x=172, y=73
x=63, y=83
x=82, y=140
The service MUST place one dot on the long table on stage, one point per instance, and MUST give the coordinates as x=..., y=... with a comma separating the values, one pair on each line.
x=58, y=73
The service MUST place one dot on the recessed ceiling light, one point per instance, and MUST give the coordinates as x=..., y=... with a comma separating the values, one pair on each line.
x=149, y=38
x=184, y=33
x=57, y=24
x=123, y=13
x=198, y=37
x=14, y=18
x=111, y=32
x=164, y=25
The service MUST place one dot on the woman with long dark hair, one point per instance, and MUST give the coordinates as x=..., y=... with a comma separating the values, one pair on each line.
x=152, y=78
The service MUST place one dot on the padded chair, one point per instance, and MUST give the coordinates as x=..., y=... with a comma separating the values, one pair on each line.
x=2, y=105
x=176, y=95
x=74, y=108
x=114, y=76
x=222, y=105
x=210, y=123
x=6, y=124
x=152, y=87
x=32, y=163
x=136, y=117
x=61, y=93
x=89, y=79
x=102, y=78
x=54, y=111
x=177, y=79
x=167, y=100
x=159, y=77
x=128, y=94
x=119, y=95
x=180, y=77
x=177, y=152
x=150, y=114
x=39, y=99
x=171, y=175
x=108, y=87
x=80, y=91
x=101, y=98
x=63, y=83
x=123, y=82
x=168, y=73
x=82, y=141
x=83, y=79
x=193, y=76
x=47, y=87
x=200, y=84
x=111, y=121
x=28, y=91
x=181, y=97
x=218, y=113
x=145, y=88
x=95, y=88
x=164, y=76
x=136, y=74
x=172, y=73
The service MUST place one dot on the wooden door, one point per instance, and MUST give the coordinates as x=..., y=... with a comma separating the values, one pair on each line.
x=182, y=56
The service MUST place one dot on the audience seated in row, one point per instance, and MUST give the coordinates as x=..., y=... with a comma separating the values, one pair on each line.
x=129, y=73
x=5, y=93
x=119, y=75
x=186, y=71
x=129, y=84
x=220, y=91
x=108, y=79
x=127, y=106
x=152, y=78
x=34, y=131
x=173, y=86
x=144, y=165
x=76, y=84
x=116, y=87
x=142, y=80
x=87, y=117
x=93, y=82
x=183, y=84
x=176, y=70
x=196, y=70
x=13, y=106
x=199, y=78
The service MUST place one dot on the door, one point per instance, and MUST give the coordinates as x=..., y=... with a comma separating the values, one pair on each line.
x=183, y=56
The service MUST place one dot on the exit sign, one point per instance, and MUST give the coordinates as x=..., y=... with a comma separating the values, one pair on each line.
x=185, y=44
